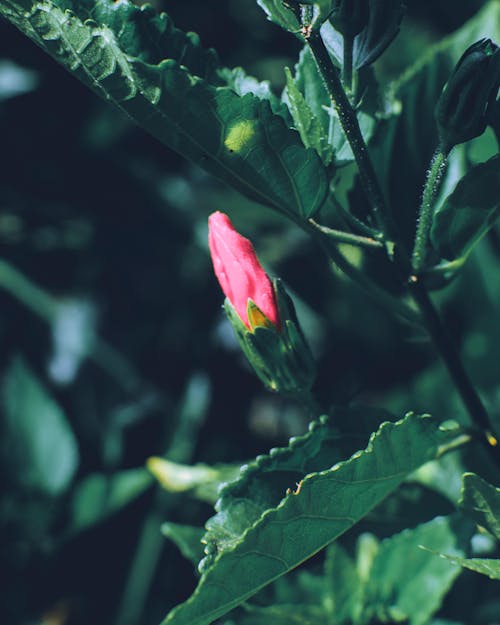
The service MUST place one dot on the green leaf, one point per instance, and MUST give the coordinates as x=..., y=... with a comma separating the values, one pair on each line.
x=405, y=144
x=98, y=496
x=342, y=586
x=279, y=14
x=469, y=212
x=411, y=580
x=383, y=26
x=263, y=483
x=41, y=444
x=481, y=501
x=238, y=139
x=486, y=566
x=326, y=505
x=309, y=83
x=187, y=538
x=306, y=123
x=200, y=480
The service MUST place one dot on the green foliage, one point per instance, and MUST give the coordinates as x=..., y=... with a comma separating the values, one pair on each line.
x=469, y=212
x=411, y=580
x=37, y=438
x=187, y=539
x=238, y=139
x=99, y=496
x=481, y=501
x=326, y=505
x=365, y=489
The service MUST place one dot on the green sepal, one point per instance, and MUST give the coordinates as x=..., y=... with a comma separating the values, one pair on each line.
x=280, y=357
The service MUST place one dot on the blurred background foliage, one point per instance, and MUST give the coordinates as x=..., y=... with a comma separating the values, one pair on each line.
x=114, y=347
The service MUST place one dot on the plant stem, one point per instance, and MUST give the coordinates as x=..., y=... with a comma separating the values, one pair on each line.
x=347, y=237
x=393, y=304
x=437, y=331
x=347, y=62
x=352, y=131
x=451, y=358
x=432, y=185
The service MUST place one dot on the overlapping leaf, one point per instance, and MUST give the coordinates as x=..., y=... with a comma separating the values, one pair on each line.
x=238, y=139
x=326, y=504
x=410, y=581
x=469, y=212
x=262, y=484
x=481, y=501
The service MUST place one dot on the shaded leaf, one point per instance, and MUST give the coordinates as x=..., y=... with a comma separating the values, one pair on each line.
x=98, y=496
x=481, y=501
x=469, y=212
x=486, y=566
x=306, y=123
x=38, y=437
x=238, y=139
x=310, y=84
x=279, y=14
x=187, y=538
x=383, y=26
x=327, y=504
x=411, y=580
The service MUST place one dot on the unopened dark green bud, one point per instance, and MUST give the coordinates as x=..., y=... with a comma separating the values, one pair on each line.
x=463, y=110
x=349, y=17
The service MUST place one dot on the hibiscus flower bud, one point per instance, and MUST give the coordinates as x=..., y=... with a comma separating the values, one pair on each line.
x=240, y=274
x=260, y=311
x=464, y=107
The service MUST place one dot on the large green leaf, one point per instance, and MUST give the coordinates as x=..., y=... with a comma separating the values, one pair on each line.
x=326, y=504
x=481, y=501
x=263, y=483
x=469, y=212
x=238, y=139
x=409, y=581
x=39, y=440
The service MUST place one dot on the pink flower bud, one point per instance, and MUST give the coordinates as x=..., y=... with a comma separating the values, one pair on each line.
x=239, y=272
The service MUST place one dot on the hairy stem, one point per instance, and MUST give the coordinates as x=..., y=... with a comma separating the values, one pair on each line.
x=437, y=331
x=432, y=185
x=456, y=369
x=347, y=237
x=352, y=131
x=347, y=63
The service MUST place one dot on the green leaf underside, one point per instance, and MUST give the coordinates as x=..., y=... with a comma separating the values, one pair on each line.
x=469, y=212
x=485, y=566
x=238, y=139
x=412, y=579
x=41, y=443
x=481, y=501
x=328, y=504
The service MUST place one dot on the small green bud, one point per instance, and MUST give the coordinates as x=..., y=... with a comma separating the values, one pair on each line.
x=349, y=17
x=280, y=356
x=464, y=107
